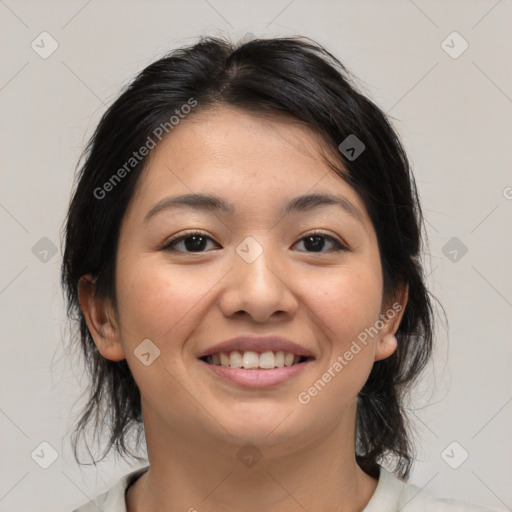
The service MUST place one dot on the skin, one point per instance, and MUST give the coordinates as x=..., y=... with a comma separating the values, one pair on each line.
x=196, y=423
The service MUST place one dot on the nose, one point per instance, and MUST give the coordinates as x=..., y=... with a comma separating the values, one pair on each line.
x=259, y=288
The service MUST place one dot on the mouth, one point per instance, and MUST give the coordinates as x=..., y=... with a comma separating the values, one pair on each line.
x=255, y=370
x=256, y=362
x=250, y=360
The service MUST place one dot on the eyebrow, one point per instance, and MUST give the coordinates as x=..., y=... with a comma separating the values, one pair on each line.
x=211, y=203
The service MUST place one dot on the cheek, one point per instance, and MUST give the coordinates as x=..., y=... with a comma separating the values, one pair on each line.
x=161, y=301
x=345, y=306
x=347, y=303
x=164, y=304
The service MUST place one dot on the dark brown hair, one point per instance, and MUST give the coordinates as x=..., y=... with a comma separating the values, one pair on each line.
x=300, y=79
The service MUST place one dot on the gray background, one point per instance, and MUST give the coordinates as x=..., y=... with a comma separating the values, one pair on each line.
x=453, y=115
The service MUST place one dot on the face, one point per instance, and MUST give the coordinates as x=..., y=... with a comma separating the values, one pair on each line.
x=189, y=277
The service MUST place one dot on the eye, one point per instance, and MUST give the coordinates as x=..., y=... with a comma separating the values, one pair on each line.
x=196, y=241
x=316, y=242
x=192, y=242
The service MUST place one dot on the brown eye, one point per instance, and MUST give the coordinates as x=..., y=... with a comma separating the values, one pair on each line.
x=316, y=242
x=192, y=242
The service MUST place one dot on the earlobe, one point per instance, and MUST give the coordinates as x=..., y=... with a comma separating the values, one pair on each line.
x=386, y=346
x=100, y=320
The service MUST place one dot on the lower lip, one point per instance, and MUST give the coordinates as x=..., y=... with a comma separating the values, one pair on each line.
x=258, y=378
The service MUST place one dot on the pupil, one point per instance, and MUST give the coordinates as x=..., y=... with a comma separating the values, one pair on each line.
x=317, y=244
x=195, y=246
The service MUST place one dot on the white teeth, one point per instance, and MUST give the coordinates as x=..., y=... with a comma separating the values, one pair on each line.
x=235, y=359
x=288, y=359
x=267, y=360
x=250, y=360
x=224, y=359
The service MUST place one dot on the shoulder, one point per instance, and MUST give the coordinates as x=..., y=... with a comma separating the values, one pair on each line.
x=113, y=500
x=393, y=494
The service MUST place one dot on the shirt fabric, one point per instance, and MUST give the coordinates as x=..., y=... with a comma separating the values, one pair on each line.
x=391, y=495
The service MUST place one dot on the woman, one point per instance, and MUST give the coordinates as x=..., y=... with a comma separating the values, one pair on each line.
x=242, y=251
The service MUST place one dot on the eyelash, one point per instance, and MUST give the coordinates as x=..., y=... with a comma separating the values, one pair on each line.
x=169, y=245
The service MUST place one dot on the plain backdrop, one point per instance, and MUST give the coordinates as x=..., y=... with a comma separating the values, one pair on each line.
x=450, y=104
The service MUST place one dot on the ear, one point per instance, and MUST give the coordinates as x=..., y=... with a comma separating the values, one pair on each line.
x=391, y=315
x=100, y=319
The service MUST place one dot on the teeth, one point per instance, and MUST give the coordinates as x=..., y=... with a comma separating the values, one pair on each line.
x=252, y=360
x=267, y=360
x=235, y=359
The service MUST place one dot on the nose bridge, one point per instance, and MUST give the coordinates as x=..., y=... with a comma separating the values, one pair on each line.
x=256, y=286
x=256, y=261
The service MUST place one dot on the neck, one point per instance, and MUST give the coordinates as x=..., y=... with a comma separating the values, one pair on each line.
x=192, y=472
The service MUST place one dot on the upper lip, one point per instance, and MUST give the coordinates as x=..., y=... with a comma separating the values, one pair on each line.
x=257, y=344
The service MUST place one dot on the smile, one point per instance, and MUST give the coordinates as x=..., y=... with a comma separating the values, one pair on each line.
x=250, y=360
x=255, y=370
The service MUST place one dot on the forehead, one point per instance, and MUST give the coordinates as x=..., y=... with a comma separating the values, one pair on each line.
x=222, y=135
x=248, y=158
